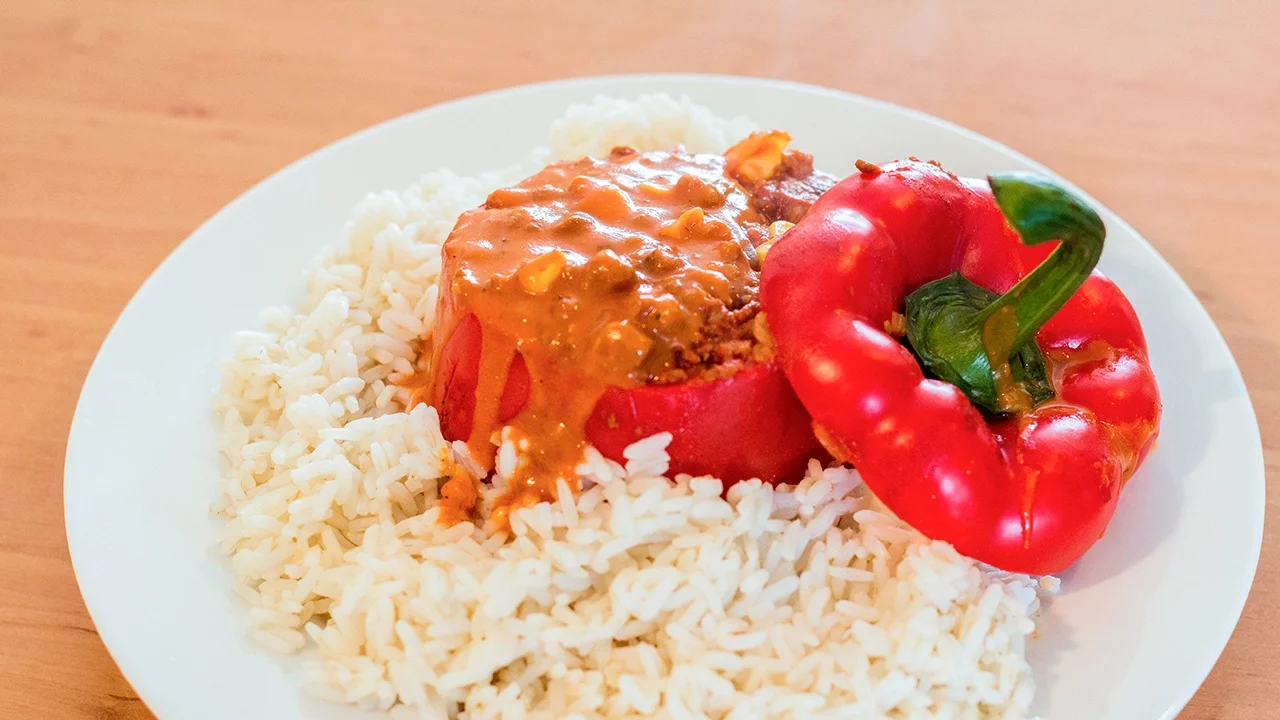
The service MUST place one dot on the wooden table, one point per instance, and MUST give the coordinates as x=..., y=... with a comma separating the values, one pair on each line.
x=123, y=125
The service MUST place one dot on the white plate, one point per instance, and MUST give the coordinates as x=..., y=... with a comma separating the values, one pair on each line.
x=1143, y=616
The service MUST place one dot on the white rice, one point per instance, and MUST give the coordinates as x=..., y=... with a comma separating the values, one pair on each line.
x=642, y=597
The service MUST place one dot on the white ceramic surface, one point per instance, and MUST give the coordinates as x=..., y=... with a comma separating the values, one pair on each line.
x=1142, y=617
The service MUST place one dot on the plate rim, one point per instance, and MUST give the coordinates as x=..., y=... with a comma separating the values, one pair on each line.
x=94, y=596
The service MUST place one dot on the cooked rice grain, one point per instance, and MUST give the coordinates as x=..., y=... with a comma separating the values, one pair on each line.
x=641, y=597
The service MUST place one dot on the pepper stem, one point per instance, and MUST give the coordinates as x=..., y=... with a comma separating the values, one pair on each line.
x=984, y=344
x=1040, y=210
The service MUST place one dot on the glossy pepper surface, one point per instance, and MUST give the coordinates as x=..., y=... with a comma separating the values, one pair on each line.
x=747, y=425
x=1048, y=405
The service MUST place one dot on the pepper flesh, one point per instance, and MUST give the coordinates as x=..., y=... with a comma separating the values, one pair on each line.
x=1030, y=492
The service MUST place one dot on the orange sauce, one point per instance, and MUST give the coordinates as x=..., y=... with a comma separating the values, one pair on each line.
x=458, y=498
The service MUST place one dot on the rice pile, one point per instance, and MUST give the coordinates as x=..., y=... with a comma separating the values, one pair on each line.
x=642, y=597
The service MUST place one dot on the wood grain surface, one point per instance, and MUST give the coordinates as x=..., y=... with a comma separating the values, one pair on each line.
x=123, y=125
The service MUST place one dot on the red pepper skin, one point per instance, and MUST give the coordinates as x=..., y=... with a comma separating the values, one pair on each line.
x=459, y=376
x=1028, y=494
x=747, y=425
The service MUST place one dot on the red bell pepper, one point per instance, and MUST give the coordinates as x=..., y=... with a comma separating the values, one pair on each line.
x=747, y=425
x=1036, y=401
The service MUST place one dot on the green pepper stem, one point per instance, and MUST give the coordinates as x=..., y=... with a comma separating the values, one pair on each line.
x=1040, y=210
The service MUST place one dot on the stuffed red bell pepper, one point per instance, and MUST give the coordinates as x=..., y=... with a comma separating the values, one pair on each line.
x=1022, y=399
x=606, y=300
